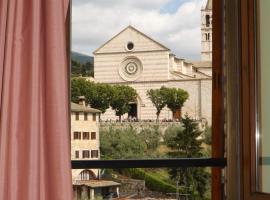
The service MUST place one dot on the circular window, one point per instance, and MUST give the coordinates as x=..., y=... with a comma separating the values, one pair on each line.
x=130, y=46
x=130, y=69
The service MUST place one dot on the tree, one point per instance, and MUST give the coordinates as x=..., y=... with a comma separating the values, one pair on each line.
x=208, y=140
x=75, y=68
x=79, y=87
x=174, y=98
x=122, y=95
x=208, y=135
x=121, y=143
x=151, y=137
x=100, y=96
x=158, y=100
x=87, y=69
x=84, y=70
x=185, y=142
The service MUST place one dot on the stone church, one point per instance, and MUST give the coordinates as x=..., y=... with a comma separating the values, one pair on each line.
x=135, y=59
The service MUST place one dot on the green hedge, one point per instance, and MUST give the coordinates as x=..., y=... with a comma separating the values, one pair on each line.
x=152, y=182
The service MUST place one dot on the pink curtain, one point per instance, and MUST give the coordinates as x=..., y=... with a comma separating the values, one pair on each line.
x=34, y=116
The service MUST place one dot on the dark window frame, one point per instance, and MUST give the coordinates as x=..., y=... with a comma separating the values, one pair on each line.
x=77, y=154
x=86, y=135
x=77, y=135
x=93, y=135
x=85, y=116
x=86, y=154
x=94, y=117
x=77, y=116
x=94, y=153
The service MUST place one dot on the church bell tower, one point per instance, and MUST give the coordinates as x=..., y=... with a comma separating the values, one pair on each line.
x=206, y=32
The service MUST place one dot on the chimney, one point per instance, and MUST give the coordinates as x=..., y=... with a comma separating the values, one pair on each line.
x=82, y=100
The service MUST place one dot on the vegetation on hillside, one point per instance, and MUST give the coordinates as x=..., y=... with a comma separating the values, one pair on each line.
x=82, y=69
x=81, y=58
x=127, y=143
x=186, y=142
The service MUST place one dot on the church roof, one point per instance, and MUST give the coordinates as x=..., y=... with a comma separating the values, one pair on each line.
x=209, y=5
x=202, y=64
x=136, y=30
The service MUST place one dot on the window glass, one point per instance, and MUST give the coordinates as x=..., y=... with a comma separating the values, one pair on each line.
x=94, y=117
x=93, y=135
x=94, y=154
x=85, y=116
x=77, y=115
x=77, y=135
x=86, y=154
x=86, y=135
x=263, y=148
x=147, y=69
x=77, y=154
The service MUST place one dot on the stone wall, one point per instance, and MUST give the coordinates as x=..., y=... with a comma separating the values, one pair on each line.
x=138, y=125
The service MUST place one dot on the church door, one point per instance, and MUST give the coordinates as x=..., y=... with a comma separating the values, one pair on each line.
x=133, y=112
x=177, y=114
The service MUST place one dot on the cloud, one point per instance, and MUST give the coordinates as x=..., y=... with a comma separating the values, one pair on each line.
x=96, y=21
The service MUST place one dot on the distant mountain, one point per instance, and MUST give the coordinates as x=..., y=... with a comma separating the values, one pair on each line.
x=82, y=58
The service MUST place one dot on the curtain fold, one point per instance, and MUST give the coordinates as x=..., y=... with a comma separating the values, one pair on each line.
x=34, y=102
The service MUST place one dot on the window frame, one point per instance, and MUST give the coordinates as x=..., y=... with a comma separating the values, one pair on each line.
x=77, y=154
x=77, y=133
x=218, y=161
x=86, y=152
x=94, y=117
x=77, y=116
x=95, y=134
x=250, y=67
x=94, y=152
x=85, y=116
x=86, y=135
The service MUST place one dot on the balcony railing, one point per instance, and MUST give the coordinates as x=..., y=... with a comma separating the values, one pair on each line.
x=150, y=163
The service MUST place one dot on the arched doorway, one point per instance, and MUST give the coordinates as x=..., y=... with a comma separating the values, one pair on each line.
x=133, y=111
x=87, y=175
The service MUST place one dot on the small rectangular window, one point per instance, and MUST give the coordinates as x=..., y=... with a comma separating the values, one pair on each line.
x=94, y=154
x=77, y=116
x=93, y=135
x=86, y=154
x=77, y=154
x=77, y=135
x=94, y=117
x=85, y=116
x=86, y=135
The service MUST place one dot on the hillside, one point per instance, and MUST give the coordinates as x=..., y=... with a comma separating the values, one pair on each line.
x=81, y=58
x=82, y=65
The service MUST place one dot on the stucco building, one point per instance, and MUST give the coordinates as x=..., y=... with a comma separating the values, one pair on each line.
x=135, y=59
x=85, y=145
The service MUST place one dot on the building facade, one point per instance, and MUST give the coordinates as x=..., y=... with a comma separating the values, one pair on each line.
x=84, y=138
x=133, y=58
x=85, y=145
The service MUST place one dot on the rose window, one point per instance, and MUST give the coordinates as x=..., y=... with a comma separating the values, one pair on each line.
x=130, y=69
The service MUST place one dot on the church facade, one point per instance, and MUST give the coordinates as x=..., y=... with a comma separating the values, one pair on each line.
x=133, y=58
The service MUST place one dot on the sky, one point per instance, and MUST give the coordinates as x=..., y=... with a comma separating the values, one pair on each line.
x=173, y=23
